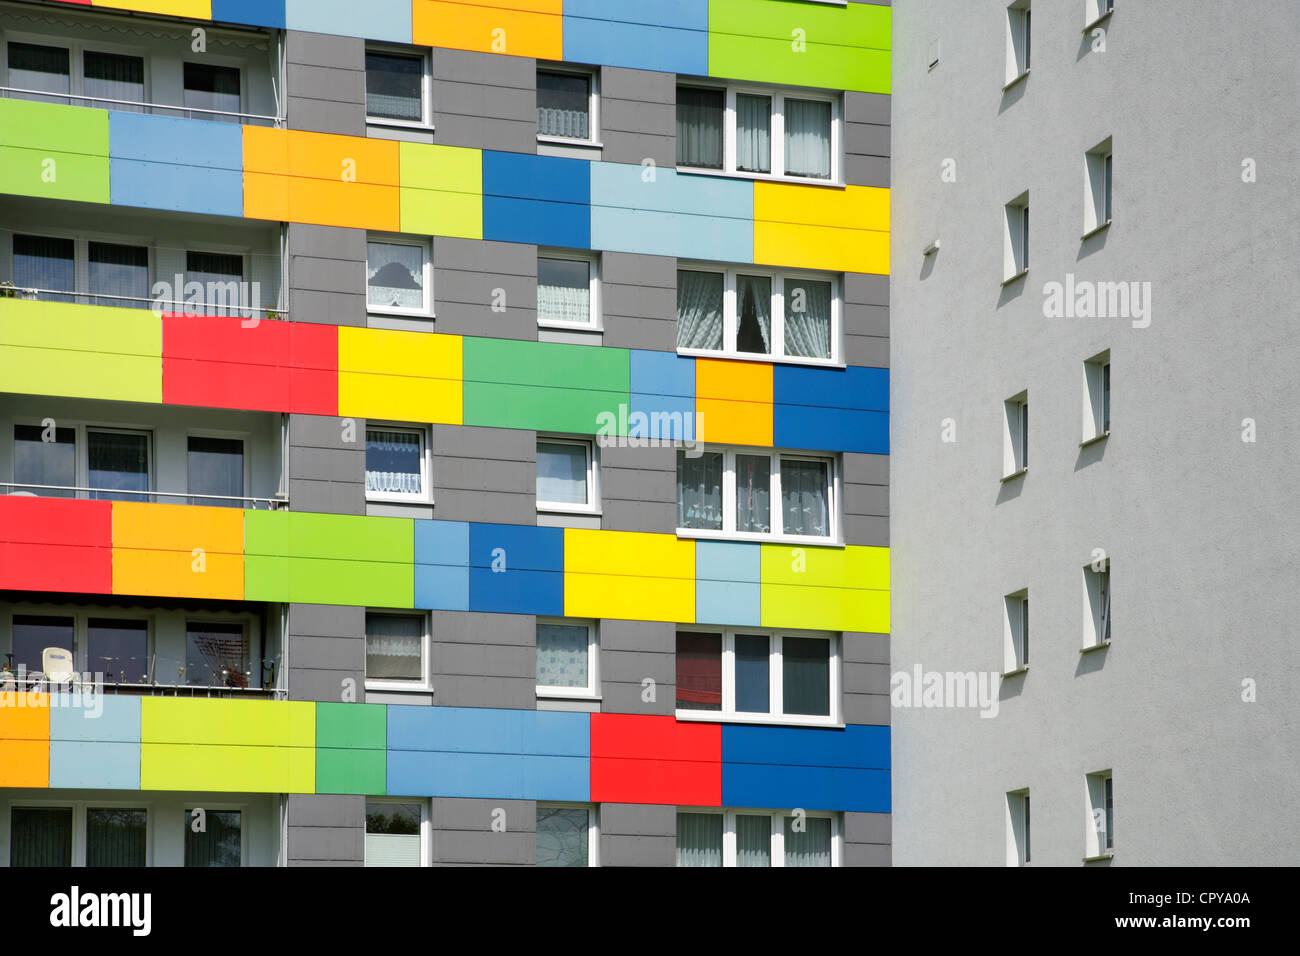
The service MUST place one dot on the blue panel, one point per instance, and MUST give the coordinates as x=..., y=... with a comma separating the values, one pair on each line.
x=687, y=14
x=543, y=223
x=661, y=417
x=702, y=217
x=812, y=788
x=442, y=542
x=217, y=192
x=852, y=387
x=625, y=186
x=547, y=178
x=516, y=569
x=488, y=775
x=520, y=546
x=488, y=730
x=557, y=733
x=373, y=20
x=86, y=765
x=441, y=587
x=169, y=139
x=516, y=592
x=636, y=46
x=719, y=602
x=830, y=429
x=728, y=561
x=662, y=373
x=118, y=719
x=863, y=746
x=258, y=13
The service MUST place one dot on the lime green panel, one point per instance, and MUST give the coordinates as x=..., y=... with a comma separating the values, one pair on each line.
x=50, y=126
x=351, y=771
x=441, y=190
x=355, y=726
x=804, y=44
x=228, y=769
x=248, y=723
x=835, y=589
x=266, y=578
x=350, y=537
x=351, y=582
x=852, y=567
x=57, y=152
x=80, y=351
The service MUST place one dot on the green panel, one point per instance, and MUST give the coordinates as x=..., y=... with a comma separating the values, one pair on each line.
x=545, y=409
x=352, y=726
x=843, y=48
x=351, y=771
x=357, y=583
x=57, y=152
x=266, y=578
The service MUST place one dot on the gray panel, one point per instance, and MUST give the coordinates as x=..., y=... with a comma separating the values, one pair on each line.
x=327, y=645
x=864, y=319
x=462, y=832
x=866, y=289
x=866, y=678
x=327, y=274
x=871, y=351
x=637, y=835
x=326, y=474
x=638, y=116
x=865, y=648
x=867, y=530
x=867, y=108
x=868, y=828
x=867, y=709
x=326, y=83
x=639, y=489
x=868, y=171
x=485, y=100
x=867, y=854
x=326, y=829
x=639, y=301
x=866, y=499
x=484, y=660
x=631, y=652
x=484, y=474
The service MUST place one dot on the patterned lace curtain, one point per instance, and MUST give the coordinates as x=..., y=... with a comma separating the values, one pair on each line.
x=394, y=644
x=563, y=101
x=393, y=462
x=804, y=503
x=561, y=655
x=564, y=290
x=754, y=314
x=699, y=839
x=699, y=490
x=808, y=318
x=699, y=310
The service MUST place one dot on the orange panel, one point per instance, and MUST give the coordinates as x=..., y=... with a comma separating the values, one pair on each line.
x=325, y=156
x=154, y=551
x=513, y=27
x=24, y=740
x=733, y=402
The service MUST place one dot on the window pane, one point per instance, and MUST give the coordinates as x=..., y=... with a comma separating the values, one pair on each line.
x=808, y=138
x=40, y=836
x=393, y=86
x=753, y=493
x=753, y=840
x=121, y=272
x=118, y=649
x=699, y=490
x=562, y=473
x=394, y=647
x=43, y=262
x=806, y=675
x=753, y=133
x=699, y=671
x=119, y=462
x=114, y=77
x=699, y=839
x=699, y=127
x=221, y=278
x=754, y=314
x=116, y=836
x=563, y=102
x=811, y=846
x=564, y=290
x=752, y=683
x=561, y=836
x=45, y=68
x=805, y=497
x=220, y=845
x=33, y=634
x=394, y=462
x=392, y=834
x=699, y=310
x=808, y=318
x=38, y=462
x=210, y=87
x=216, y=655
x=395, y=276
x=562, y=655
x=216, y=467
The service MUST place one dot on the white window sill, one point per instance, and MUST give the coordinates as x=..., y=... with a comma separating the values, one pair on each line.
x=1094, y=647
x=397, y=500
x=1015, y=474
x=760, y=357
x=705, y=534
x=790, y=720
x=399, y=124
x=1088, y=27
x=1019, y=79
x=544, y=507
x=566, y=141
x=1099, y=858
x=398, y=314
x=389, y=686
x=760, y=177
x=1015, y=277
x=566, y=693
x=570, y=326
x=1015, y=673
x=1094, y=230
x=1094, y=439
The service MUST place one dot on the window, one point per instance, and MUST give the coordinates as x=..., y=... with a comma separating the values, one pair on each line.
x=567, y=835
x=98, y=836
x=758, y=132
x=567, y=290
x=42, y=462
x=1018, y=37
x=221, y=277
x=1018, y=848
x=118, y=463
x=216, y=654
x=566, y=658
x=755, y=675
x=112, y=273
x=115, y=463
x=1096, y=188
x=118, y=649
x=397, y=651
x=32, y=634
x=1094, y=10
x=1015, y=258
x=1096, y=604
x=215, y=468
x=117, y=836
x=397, y=463
x=1015, y=435
x=395, y=832
x=395, y=88
x=118, y=273
x=94, y=78
x=786, y=315
x=45, y=264
x=1099, y=839
x=756, y=838
x=746, y=493
x=212, y=93
x=40, y=836
x=566, y=105
x=398, y=276
x=45, y=68
x=1096, y=397
x=219, y=839
x=567, y=473
x=114, y=78
x=1016, y=630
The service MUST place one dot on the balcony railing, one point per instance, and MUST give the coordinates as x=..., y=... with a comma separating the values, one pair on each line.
x=186, y=112
x=163, y=497
x=11, y=682
x=218, y=307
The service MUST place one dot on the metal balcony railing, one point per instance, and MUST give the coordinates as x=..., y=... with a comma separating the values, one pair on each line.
x=186, y=112
x=119, y=494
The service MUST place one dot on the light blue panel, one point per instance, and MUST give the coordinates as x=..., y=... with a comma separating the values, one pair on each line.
x=171, y=139
x=661, y=417
x=216, y=192
x=557, y=733
x=662, y=373
x=440, y=587
x=637, y=46
x=508, y=777
x=442, y=542
x=487, y=731
x=86, y=765
x=622, y=185
x=372, y=20
x=721, y=602
x=665, y=234
x=686, y=14
x=728, y=561
x=118, y=720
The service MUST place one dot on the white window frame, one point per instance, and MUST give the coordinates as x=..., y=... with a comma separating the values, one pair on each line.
x=592, y=505
x=1097, y=192
x=426, y=825
x=1015, y=239
x=1019, y=42
x=777, y=851
x=1096, y=605
x=594, y=320
x=82, y=450
x=1015, y=436
x=1094, y=11
x=592, y=690
x=1015, y=632
x=775, y=673
x=593, y=825
x=425, y=244
x=1019, y=830
x=778, y=95
x=422, y=684
x=426, y=463
x=80, y=834
x=1095, y=838
x=230, y=63
x=244, y=437
x=592, y=75
x=77, y=50
x=776, y=513
x=426, y=86
x=1096, y=398
x=779, y=277
x=187, y=810
x=81, y=263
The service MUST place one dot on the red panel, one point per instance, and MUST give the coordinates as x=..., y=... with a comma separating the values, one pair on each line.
x=645, y=759
x=52, y=544
x=314, y=356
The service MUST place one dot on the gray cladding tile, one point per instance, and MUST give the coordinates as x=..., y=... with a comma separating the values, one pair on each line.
x=638, y=819
x=322, y=49
x=864, y=469
x=861, y=287
x=326, y=810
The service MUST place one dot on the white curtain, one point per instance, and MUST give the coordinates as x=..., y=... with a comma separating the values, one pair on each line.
x=394, y=646
x=699, y=127
x=561, y=473
x=753, y=133
x=753, y=493
x=393, y=462
x=753, y=840
x=113, y=77
x=812, y=847
x=395, y=275
x=33, y=67
x=808, y=138
x=699, y=310
x=564, y=290
x=754, y=314
x=43, y=262
x=808, y=318
x=699, y=839
x=561, y=655
x=804, y=495
x=393, y=86
x=699, y=490
x=121, y=272
x=563, y=101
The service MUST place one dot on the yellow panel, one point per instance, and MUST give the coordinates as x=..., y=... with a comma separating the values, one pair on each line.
x=406, y=376
x=733, y=402
x=261, y=723
x=840, y=589
x=228, y=769
x=854, y=207
x=196, y=9
x=513, y=27
x=856, y=566
x=827, y=609
x=816, y=227
x=629, y=575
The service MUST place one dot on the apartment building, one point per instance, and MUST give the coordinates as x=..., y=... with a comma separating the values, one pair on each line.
x=1146, y=316
x=444, y=433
